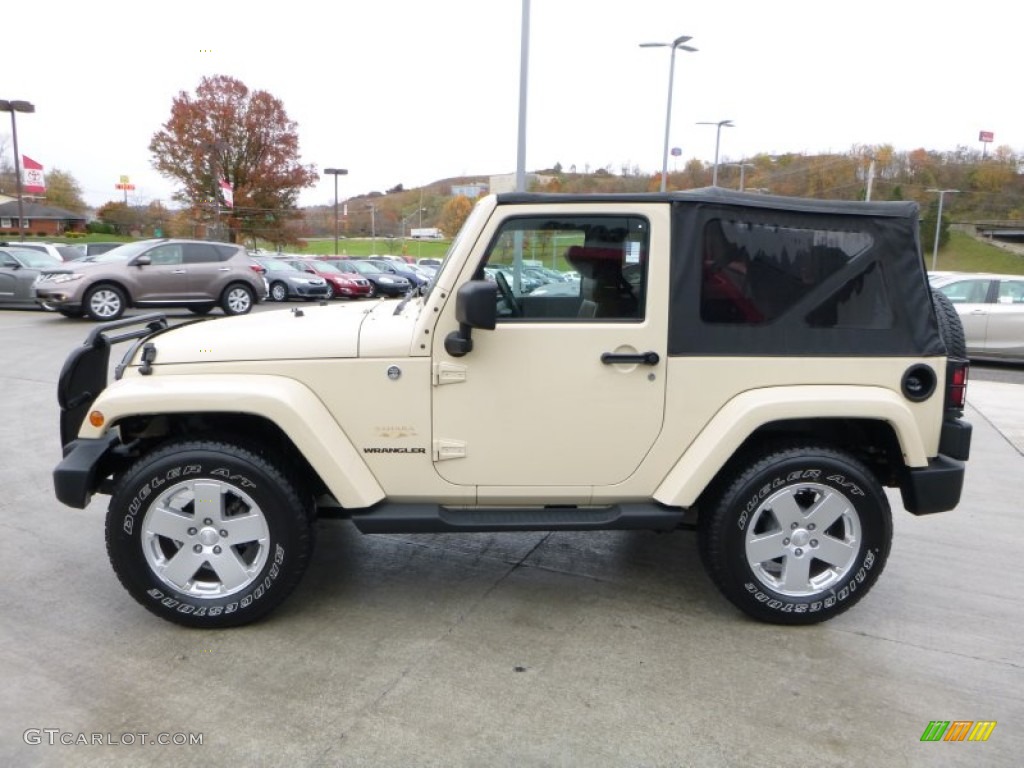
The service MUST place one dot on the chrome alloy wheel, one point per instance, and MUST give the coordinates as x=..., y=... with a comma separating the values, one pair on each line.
x=105, y=303
x=205, y=538
x=239, y=300
x=803, y=539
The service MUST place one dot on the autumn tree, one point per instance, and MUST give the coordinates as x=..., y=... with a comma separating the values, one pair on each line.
x=64, y=191
x=227, y=131
x=454, y=215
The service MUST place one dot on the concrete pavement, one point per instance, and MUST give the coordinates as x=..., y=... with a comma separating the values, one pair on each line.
x=534, y=649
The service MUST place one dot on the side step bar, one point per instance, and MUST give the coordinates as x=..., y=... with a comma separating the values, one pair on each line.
x=432, y=518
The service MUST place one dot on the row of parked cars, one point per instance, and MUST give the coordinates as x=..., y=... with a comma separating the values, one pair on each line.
x=102, y=283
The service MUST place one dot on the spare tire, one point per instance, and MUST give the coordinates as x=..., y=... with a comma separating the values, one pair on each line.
x=950, y=328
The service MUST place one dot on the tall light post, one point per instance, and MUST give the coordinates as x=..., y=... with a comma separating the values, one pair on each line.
x=12, y=107
x=373, y=227
x=524, y=68
x=336, y=172
x=675, y=44
x=718, y=136
x=938, y=223
x=742, y=167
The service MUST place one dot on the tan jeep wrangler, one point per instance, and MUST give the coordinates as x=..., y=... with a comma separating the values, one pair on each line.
x=757, y=367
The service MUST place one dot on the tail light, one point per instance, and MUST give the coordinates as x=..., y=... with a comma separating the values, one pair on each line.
x=956, y=384
x=257, y=269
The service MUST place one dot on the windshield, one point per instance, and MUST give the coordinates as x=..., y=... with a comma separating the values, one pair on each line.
x=363, y=268
x=34, y=259
x=472, y=224
x=273, y=265
x=123, y=252
x=323, y=266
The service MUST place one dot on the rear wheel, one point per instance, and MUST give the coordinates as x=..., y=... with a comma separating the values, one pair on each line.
x=237, y=299
x=208, y=534
x=104, y=302
x=372, y=292
x=330, y=292
x=798, y=536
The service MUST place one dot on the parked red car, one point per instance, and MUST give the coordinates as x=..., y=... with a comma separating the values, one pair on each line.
x=339, y=283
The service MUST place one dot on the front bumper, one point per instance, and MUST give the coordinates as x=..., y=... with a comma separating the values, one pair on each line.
x=82, y=470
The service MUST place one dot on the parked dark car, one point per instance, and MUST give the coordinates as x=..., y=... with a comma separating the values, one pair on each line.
x=401, y=269
x=19, y=270
x=287, y=282
x=339, y=283
x=383, y=283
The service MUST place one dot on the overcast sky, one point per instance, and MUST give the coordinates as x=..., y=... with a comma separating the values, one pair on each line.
x=411, y=91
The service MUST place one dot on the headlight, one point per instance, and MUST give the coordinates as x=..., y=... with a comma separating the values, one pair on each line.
x=67, y=278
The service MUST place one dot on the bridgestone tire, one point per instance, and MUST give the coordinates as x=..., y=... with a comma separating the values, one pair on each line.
x=207, y=534
x=951, y=329
x=797, y=536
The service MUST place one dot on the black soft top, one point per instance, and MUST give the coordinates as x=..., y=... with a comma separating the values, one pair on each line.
x=720, y=195
x=755, y=274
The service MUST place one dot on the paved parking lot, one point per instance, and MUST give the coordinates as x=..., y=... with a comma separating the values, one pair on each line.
x=529, y=649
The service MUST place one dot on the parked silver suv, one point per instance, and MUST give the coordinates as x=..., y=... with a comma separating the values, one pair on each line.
x=154, y=273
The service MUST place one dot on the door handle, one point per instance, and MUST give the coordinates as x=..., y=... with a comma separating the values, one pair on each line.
x=179, y=271
x=640, y=358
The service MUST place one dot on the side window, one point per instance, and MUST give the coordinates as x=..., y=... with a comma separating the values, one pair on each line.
x=6, y=260
x=164, y=255
x=966, y=291
x=1011, y=292
x=753, y=273
x=200, y=253
x=569, y=268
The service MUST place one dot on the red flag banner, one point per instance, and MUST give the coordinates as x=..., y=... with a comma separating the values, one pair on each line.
x=32, y=180
x=228, y=193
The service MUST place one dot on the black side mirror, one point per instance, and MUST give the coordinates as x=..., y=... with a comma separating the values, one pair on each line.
x=142, y=261
x=476, y=306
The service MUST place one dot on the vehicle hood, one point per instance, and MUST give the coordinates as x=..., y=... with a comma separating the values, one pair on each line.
x=299, y=333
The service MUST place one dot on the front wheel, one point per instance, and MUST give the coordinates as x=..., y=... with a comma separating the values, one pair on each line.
x=278, y=292
x=798, y=536
x=104, y=302
x=208, y=534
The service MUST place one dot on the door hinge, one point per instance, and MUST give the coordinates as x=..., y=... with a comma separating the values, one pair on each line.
x=449, y=373
x=449, y=449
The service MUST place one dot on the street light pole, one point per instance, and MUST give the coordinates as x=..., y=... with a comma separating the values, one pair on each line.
x=938, y=223
x=677, y=43
x=718, y=137
x=336, y=172
x=373, y=227
x=12, y=107
x=742, y=167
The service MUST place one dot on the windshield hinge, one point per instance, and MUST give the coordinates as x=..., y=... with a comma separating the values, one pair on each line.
x=449, y=373
x=449, y=449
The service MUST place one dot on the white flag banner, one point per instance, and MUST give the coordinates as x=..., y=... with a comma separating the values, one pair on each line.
x=228, y=192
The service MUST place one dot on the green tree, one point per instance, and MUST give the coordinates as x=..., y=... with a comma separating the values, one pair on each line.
x=63, y=191
x=227, y=131
x=928, y=220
